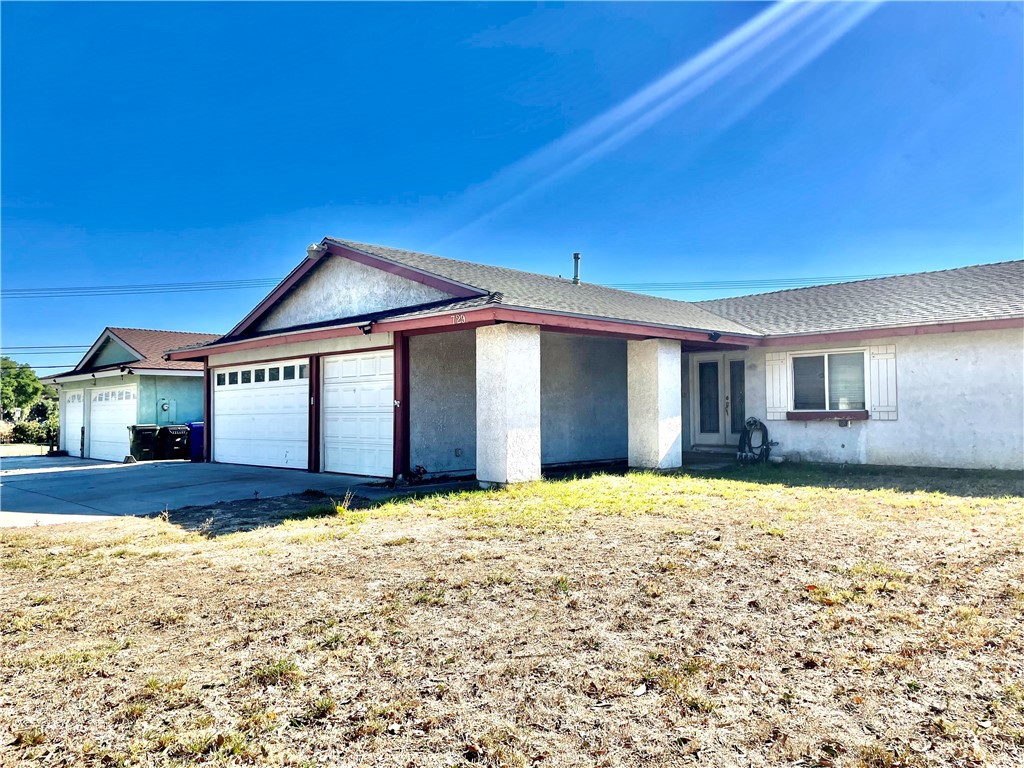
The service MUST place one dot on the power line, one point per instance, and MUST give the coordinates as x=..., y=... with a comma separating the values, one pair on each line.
x=55, y=346
x=138, y=289
x=52, y=354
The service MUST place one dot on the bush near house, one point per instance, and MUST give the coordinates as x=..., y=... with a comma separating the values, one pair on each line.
x=770, y=617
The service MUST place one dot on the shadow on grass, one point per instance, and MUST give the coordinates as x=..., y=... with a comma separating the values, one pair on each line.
x=249, y=514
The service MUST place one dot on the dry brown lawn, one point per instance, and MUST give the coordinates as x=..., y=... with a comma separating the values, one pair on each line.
x=765, y=617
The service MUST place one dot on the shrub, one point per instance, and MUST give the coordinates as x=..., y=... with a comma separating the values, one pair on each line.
x=29, y=432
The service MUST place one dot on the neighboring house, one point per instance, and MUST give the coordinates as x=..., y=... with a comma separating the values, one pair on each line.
x=123, y=380
x=375, y=361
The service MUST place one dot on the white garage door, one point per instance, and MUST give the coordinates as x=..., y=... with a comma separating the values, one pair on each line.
x=74, y=419
x=111, y=411
x=261, y=414
x=358, y=413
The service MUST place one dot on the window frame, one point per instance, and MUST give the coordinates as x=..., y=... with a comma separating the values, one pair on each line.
x=824, y=353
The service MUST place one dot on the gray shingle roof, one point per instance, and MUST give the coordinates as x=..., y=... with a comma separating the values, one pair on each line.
x=528, y=290
x=988, y=291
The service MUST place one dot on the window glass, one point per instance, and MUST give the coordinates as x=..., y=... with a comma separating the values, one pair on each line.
x=303, y=371
x=221, y=378
x=289, y=372
x=707, y=382
x=247, y=377
x=274, y=374
x=846, y=382
x=233, y=377
x=259, y=375
x=809, y=383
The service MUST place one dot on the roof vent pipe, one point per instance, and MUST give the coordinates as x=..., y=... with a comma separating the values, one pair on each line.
x=576, y=269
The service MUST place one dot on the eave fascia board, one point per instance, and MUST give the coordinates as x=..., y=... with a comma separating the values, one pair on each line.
x=455, y=320
x=135, y=371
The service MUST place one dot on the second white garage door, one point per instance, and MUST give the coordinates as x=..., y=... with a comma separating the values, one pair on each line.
x=111, y=411
x=261, y=414
x=358, y=413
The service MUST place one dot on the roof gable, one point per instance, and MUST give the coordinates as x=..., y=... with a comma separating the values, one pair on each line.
x=338, y=287
x=107, y=350
x=139, y=348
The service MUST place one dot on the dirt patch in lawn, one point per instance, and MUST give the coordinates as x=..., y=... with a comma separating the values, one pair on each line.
x=769, y=618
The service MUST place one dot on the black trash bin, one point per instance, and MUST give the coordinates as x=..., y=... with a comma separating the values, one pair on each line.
x=172, y=443
x=143, y=441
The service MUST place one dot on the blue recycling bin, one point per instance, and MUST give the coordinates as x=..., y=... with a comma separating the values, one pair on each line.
x=195, y=440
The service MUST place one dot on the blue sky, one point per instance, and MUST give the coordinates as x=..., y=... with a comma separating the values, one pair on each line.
x=157, y=143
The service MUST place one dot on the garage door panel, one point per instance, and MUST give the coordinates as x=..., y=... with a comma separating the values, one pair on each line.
x=265, y=421
x=74, y=420
x=358, y=413
x=111, y=411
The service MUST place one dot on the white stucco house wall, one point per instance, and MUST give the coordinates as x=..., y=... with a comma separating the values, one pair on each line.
x=380, y=362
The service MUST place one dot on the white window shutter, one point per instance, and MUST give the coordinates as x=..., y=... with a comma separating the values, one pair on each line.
x=776, y=386
x=883, y=382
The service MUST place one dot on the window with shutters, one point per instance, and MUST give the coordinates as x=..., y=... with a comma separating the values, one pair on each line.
x=832, y=381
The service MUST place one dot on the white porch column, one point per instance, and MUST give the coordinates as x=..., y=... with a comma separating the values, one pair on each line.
x=654, y=381
x=507, y=403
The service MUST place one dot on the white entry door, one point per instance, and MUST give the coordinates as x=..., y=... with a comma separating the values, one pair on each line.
x=111, y=411
x=74, y=419
x=261, y=414
x=717, y=397
x=358, y=413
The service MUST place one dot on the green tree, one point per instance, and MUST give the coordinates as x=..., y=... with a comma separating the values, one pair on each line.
x=19, y=387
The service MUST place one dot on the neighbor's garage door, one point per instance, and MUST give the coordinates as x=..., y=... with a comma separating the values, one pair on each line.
x=261, y=414
x=111, y=411
x=74, y=418
x=358, y=413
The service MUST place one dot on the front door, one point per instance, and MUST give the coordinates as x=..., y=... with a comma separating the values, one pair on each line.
x=718, y=398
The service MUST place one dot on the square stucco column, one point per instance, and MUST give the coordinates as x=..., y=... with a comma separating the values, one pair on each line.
x=507, y=403
x=654, y=376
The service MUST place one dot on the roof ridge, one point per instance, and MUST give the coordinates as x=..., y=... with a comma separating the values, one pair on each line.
x=159, y=330
x=561, y=280
x=862, y=280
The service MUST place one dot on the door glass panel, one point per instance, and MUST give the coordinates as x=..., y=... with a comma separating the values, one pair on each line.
x=707, y=378
x=737, y=397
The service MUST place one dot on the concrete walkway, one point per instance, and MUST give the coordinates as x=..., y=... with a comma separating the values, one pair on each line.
x=39, y=490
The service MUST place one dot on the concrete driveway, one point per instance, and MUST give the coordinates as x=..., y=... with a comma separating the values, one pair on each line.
x=39, y=490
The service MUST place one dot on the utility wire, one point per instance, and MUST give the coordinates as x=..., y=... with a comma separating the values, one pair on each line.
x=222, y=285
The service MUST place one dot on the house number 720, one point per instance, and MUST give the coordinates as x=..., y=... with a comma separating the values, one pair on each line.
x=458, y=319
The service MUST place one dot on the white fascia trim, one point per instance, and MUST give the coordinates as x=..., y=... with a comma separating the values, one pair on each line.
x=110, y=374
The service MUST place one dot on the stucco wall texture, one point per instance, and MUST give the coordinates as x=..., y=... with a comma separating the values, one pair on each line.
x=340, y=287
x=655, y=404
x=960, y=399
x=582, y=400
x=183, y=395
x=442, y=402
x=508, y=403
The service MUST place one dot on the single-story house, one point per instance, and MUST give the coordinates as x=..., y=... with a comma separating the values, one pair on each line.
x=376, y=361
x=122, y=380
